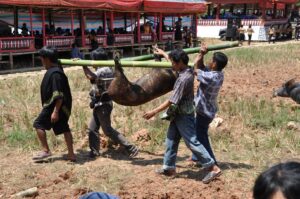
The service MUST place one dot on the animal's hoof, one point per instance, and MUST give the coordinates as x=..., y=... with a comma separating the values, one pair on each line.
x=116, y=56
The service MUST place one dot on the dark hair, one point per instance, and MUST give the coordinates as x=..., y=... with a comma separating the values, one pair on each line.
x=178, y=55
x=284, y=177
x=220, y=59
x=74, y=45
x=99, y=54
x=50, y=53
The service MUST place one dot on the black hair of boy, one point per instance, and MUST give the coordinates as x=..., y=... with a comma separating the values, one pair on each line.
x=50, y=53
x=99, y=54
x=177, y=55
x=284, y=177
x=220, y=59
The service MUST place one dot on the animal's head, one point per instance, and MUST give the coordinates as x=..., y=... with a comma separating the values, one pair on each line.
x=285, y=89
x=289, y=84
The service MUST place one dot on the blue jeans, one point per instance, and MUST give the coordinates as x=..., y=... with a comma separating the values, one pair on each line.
x=202, y=125
x=184, y=126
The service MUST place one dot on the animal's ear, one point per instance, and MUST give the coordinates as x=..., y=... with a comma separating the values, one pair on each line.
x=290, y=82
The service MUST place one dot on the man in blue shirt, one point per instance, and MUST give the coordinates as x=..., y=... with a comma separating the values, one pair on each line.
x=211, y=79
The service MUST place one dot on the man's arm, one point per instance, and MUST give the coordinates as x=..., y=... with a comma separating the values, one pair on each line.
x=160, y=108
x=159, y=51
x=199, y=60
x=88, y=73
x=55, y=113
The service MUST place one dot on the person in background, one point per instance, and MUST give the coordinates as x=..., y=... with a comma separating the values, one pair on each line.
x=169, y=44
x=57, y=104
x=178, y=32
x=241, y=32
x=75, y=52
x=281, y=181
x=272, y=34
x=24, y=30
x=250, y=31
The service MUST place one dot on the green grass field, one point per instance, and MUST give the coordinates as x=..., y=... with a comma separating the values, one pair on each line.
x=254, y=132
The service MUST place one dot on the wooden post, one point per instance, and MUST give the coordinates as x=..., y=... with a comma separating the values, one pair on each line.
x=43, y=28
x=72, y=22
x=262, y=7
x=155, y=21
x=82, y=22
x=209, y=9
x=139, y=27
x=16, y=20
x=245, y=9
x=160, y=26
x=285, y=10
x=50, y=18
x=31, y=24
x=104, y=23
x=131, y=22
x=33, y=61
x=231, y=8
x=196, y=25
x=11, y=60
x=111, y=20
x=218, y=12
x=275, y=11
x=125, y=22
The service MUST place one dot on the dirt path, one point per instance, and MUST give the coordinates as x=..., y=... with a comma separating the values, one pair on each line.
x=128, y=178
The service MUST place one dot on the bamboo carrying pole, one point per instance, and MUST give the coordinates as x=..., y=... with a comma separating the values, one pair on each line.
x=188, y=51
x=110, y=63
x=137, y=61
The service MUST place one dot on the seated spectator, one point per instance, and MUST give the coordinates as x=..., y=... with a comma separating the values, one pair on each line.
x=68, y=32
x=59, y=31
x=169, y=44
x=110, y=37
x=147, y=28
x=93, y=39
x=52, y=30
x=24, y=30
x=281, y=181
x=100, y=31
x=75, y=52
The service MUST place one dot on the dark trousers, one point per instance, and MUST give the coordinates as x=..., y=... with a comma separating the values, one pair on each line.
x=202, y=125
x=101, y=118
x=271, y=38
x=249, y=39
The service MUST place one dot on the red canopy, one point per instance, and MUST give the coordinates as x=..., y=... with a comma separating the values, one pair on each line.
x=250, y=1
x=175, y=6
x=121, y=5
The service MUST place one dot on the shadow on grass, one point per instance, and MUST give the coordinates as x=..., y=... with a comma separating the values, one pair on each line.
x=82, y=157
x=230, y=166
x=198, y=174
